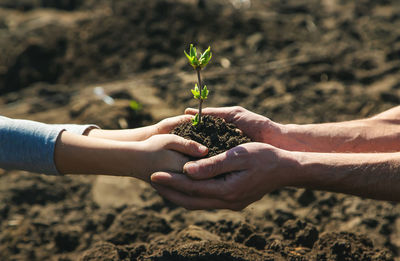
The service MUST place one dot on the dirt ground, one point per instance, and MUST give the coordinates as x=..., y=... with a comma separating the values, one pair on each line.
x=294, y=61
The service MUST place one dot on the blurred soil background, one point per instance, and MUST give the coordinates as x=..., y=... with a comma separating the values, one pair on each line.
x=294, y=61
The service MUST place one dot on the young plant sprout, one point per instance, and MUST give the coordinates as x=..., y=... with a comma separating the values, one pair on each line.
x=199, y=92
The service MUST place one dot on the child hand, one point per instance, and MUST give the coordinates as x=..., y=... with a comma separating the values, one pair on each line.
x=140, y=134
x=168, y=124
x=165, y=152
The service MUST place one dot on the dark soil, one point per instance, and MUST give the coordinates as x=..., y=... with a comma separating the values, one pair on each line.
x=214, y=133
x=294, y=61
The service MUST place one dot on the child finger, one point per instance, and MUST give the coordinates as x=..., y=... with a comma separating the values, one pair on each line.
x=185, y=146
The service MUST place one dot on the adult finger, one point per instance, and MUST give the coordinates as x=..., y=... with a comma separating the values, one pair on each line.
x=194, y=203
x=185, y=146
x=232, y=160
x=225, y=112
x=211, y=188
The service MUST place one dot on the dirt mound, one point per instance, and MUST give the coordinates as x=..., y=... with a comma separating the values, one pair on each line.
x=86, y=49
x=214, y=133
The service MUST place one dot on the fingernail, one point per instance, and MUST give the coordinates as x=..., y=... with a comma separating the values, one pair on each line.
x=154, y=177
x=203, y=149
x=157, y=178
x=190, y=167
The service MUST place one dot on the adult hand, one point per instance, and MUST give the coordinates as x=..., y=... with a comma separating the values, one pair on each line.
x=231, y=180
x=377, y=134
x=257, y=127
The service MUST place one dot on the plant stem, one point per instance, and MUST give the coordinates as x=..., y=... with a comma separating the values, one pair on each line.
x=198, y=69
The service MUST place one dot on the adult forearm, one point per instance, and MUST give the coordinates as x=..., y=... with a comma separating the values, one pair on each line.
x=368, y=135
x=373, y=175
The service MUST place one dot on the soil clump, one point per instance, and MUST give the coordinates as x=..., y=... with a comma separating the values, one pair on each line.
x=214, y=133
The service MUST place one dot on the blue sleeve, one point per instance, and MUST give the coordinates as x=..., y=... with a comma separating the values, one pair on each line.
x=29, y=145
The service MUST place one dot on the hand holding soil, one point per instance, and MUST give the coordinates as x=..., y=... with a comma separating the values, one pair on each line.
x=350, y=162
x=134, y=152
x=166, y=151
x=256, y=127
x=231, y=180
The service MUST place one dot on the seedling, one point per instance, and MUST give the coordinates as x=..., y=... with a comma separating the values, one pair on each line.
x=199, y=92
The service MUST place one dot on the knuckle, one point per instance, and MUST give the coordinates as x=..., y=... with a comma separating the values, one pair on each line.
x=204, y=167
x=209, y=167
x=239, y=152
x=240, y=155
x=164, y=121
x=238, y=109
x=213, y=168
x=185, y=142
x=190, y=143
x=172, y=138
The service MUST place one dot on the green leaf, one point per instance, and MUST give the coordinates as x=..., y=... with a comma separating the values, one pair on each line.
x=191, y=60
x=195, y=62
x=208, y=58
x=196, y=92
x=205, y=57
x=188, y=56
x=206, y=53
x=193, y=52
x=204, y=93
x=195, y=120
